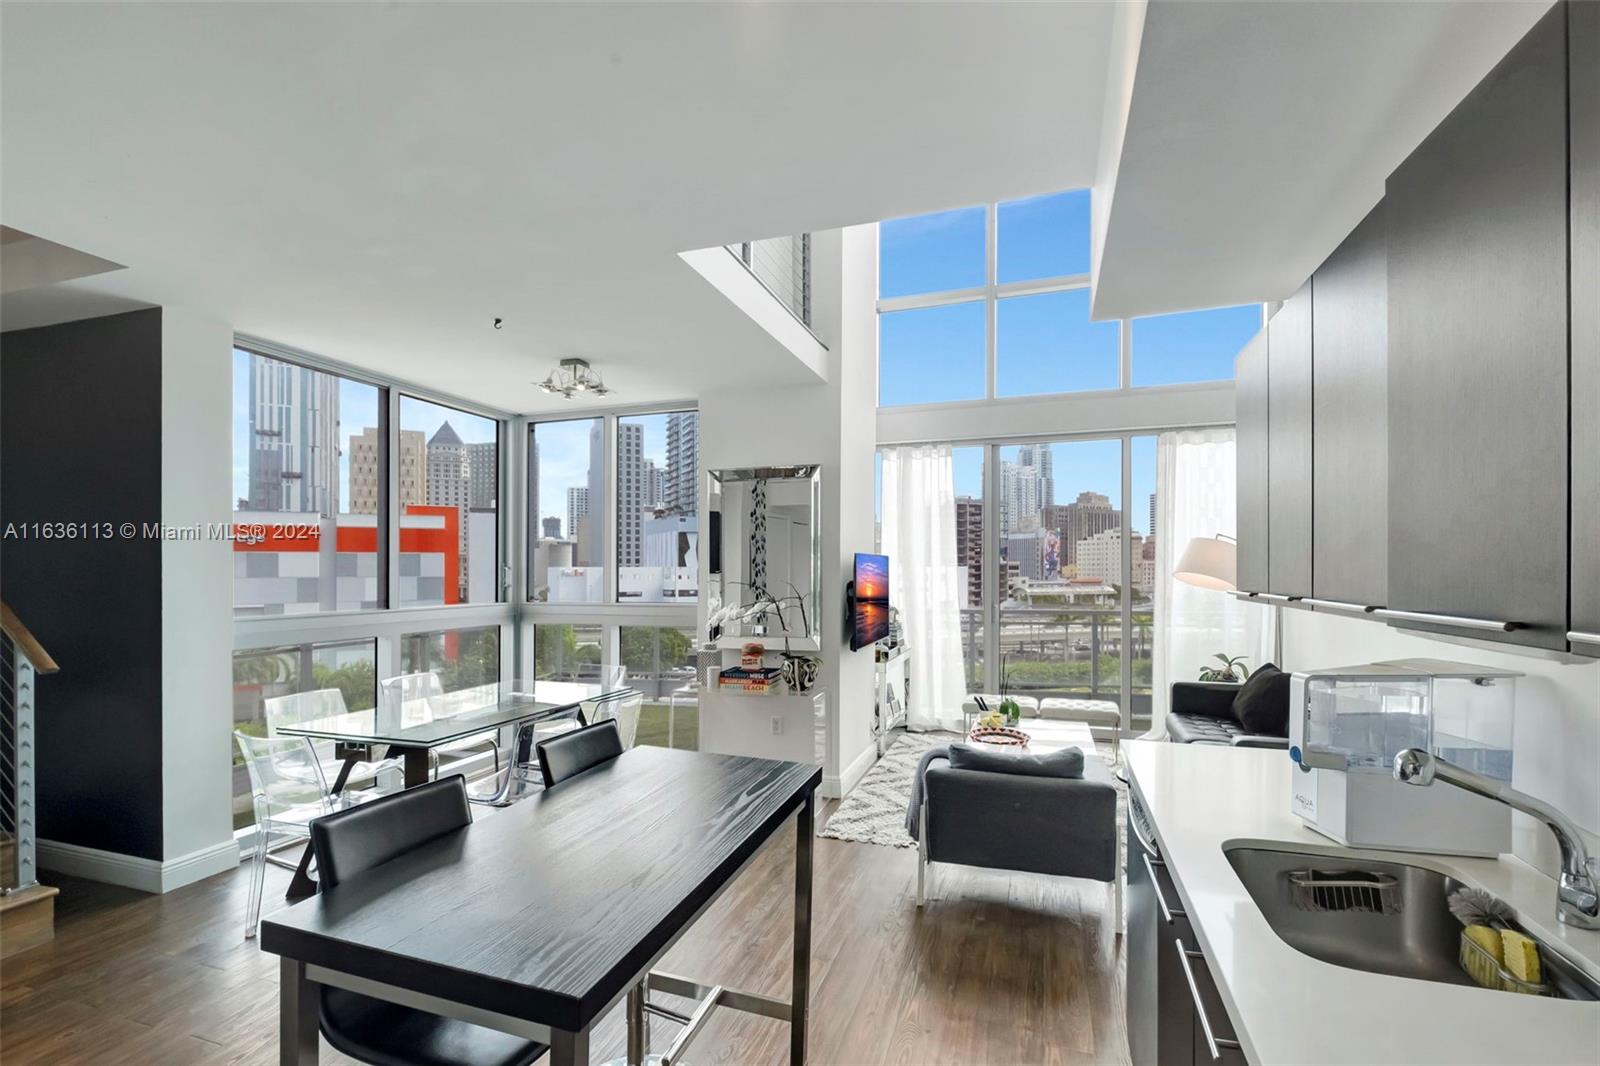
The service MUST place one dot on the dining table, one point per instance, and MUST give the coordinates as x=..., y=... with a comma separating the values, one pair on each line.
x=412, y=730
x=538, y=920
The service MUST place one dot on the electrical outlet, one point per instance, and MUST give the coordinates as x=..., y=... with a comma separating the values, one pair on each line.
x=777, y=726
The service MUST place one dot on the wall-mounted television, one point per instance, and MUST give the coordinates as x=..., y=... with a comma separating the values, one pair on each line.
x=868, y=600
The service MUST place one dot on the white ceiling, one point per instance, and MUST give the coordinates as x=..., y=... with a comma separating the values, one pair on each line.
x=1259, y=134
x=376, y=183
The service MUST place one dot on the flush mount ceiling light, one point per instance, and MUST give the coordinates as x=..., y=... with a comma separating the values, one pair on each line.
x=572, y=377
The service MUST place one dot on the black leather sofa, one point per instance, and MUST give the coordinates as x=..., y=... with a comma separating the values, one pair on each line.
x=1201, y=712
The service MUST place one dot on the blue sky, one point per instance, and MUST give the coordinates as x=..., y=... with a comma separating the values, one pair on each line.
x=1044, y=343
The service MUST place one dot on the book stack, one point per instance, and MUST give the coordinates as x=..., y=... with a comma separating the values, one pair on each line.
x=751, y=681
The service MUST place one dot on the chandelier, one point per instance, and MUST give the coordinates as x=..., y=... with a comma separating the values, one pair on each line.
x=572, y=377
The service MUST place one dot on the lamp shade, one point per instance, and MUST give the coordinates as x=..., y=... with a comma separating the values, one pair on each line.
x=1210, y=563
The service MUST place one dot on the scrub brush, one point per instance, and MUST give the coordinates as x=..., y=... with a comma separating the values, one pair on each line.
x=1483, y=948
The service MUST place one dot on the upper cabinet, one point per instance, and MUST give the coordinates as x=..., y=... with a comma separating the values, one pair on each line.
x=1289, y=472
x=1583, y=118
x=1350, y=412
x=1478, y=358
x=1251, y=449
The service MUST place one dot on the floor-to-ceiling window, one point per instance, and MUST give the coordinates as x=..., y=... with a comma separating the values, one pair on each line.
x=367, y=536
x=985, y=312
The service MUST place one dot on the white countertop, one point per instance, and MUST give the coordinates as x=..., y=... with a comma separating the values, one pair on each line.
x=1288, y=1007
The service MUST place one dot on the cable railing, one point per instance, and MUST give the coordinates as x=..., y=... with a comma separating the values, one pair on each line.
x=783, y=266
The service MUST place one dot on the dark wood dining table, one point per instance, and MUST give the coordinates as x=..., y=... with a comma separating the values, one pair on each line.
x=538, y=919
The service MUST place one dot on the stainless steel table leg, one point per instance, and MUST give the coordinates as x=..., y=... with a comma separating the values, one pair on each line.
x=636, y=1031
x=297, y=1015
x=799, y=998
x=569, y=1049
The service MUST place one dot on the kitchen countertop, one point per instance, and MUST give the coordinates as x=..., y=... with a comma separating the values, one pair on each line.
x=1288, y=1007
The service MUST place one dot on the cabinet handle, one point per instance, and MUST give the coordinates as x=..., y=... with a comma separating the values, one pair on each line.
x=1166, y=912
x=1583, y=638
x=1275, y=597
x=1215, y=1043
x=1449, y=620
x=1340, y=605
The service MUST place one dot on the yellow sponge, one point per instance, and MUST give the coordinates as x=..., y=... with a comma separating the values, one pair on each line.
x=1521, y=957
x=1482, y=966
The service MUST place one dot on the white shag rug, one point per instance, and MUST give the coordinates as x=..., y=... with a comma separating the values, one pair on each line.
x=875, y=810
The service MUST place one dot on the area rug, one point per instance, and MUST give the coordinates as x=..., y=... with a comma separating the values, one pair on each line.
x=875, y=810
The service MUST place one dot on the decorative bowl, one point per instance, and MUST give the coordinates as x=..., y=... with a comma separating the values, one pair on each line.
x=1000, y=736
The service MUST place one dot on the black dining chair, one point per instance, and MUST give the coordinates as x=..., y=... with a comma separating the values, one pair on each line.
x=373, y=1030
x=570, y=754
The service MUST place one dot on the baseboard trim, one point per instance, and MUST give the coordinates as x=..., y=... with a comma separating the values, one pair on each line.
x=839, y=787
x=131, y=871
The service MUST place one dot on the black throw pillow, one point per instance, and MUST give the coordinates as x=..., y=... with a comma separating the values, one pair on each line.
x=1262, y=705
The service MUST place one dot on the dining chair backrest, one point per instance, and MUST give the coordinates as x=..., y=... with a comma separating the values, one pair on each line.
x=356, y=840
x=284, y=773
x=409, y=698
x=622, y=706
x=570, y=754
x=299, y=707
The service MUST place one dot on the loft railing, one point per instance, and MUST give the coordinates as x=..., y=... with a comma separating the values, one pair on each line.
x=22, y=660
x=783, y=266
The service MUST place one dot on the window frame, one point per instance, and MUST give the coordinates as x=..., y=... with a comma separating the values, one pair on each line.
x=614, y=481
x=992, y=292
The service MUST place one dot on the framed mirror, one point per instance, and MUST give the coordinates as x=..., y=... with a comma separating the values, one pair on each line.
x=764, y=553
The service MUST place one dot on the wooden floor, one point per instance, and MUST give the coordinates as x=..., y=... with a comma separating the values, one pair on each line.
x=998, y=968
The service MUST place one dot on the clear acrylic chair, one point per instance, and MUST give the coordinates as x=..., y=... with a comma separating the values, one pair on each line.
x=289, y=790
x=521, y=776
x=299, y=708
x=623, y=705
x=413, y=699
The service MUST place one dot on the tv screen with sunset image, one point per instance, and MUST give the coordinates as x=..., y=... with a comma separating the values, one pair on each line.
x=869, y=608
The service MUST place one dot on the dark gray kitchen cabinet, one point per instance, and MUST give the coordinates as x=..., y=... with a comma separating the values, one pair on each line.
x=1583, y=46
x=1478, y=359
x=1289, y=469
x=1350, y=419
x=1251, y=455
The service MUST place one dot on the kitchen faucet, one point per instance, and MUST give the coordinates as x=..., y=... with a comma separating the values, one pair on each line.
x=1578, y=891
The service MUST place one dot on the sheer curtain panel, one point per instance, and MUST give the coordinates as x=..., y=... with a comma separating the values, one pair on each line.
x=919, y=536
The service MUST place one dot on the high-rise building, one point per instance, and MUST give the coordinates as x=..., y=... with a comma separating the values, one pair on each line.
x=1032, y=552
x=1100, y=557
x=680, y=490
x=591, y=528
x=1040, y=459
x=577, y=509
x=552, y=527
x=483, y=475
x=365, y=469
x=969, y=545
x=294, y=438
x=1089, y=514
x=630, y=493
x=655, y=485
x=1019, y=497
x=448, y=482
x=1152, y=526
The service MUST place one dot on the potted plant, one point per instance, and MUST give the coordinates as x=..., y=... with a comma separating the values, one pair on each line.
x=1010, y=709
x=1232, y=671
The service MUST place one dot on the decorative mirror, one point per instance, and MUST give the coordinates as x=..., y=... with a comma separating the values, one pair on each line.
x=764, y=555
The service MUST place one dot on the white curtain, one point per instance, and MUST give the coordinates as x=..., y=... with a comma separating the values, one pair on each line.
x=1195, y=475
x=919, y=537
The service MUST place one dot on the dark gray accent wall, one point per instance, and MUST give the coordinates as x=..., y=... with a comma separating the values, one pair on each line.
x=80, y=441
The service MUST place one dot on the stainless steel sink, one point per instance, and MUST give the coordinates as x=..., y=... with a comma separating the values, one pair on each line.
x=1381, y=917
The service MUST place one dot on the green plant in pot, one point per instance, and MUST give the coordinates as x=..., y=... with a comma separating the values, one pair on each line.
x=1233, y=670
x=1009, y=708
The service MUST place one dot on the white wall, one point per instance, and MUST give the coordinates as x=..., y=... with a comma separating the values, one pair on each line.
x=1557, y=731
x=832, y=424
x=196, y=598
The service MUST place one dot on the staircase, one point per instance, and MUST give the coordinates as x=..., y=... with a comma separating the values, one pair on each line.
x=27, y=908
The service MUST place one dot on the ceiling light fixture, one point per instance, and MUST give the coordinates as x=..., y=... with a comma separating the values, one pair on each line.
x=574, y=376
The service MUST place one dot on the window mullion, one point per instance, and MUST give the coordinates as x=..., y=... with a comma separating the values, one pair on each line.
x=990, y=312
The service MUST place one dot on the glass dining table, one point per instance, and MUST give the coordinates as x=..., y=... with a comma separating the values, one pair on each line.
x=412, y=729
